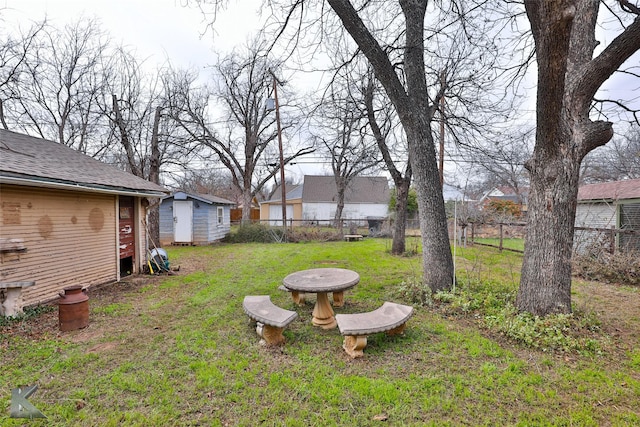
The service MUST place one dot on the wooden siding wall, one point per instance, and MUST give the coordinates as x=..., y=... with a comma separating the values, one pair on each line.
x=70, y=239
x=205, y=223
x=166, y=222
x=593, y=215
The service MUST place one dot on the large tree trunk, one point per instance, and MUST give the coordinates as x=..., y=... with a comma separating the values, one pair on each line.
x=412, y=104
x=247, y=199
x=568, y=78
x=545, y=285
x=398, y=245
x=437, y=261
x=154, y=176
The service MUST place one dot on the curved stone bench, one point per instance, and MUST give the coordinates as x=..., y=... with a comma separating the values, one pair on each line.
x=389, y=318
x=271, y=319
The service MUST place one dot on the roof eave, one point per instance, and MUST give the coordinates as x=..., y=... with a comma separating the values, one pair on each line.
x=93, y=188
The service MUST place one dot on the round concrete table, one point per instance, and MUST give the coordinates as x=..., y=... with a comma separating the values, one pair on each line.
x=321, y=281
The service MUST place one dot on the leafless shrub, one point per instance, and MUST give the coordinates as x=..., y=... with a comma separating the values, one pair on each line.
x=602, y=266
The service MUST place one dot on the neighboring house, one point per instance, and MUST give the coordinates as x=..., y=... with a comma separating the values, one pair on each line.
x=315, y=201
x=452, y=193
x=67, y=219
x=610, y=205
x=195, y=219
x=505, y=193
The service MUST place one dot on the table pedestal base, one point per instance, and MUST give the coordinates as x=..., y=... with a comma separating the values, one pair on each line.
x=323, y=313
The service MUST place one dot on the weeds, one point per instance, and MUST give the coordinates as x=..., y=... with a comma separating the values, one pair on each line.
x=602, y=266
x=28, y=313
x=494, y=306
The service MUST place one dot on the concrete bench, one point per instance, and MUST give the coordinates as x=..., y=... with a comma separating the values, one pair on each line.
x=12, y=304
x=389, y=318
x=271, y=319
x=352, y=237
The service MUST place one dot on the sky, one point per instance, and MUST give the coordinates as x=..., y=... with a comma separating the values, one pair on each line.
x=170, y=29
x=157, y=29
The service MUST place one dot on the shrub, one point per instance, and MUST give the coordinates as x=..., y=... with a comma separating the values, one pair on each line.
x=257, y=233
x=601, y=266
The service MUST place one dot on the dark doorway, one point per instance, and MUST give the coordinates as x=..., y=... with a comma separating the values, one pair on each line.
x=127, y=232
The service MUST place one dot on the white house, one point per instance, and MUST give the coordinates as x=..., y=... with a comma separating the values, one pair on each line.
x=315, y=201
x=608, y=206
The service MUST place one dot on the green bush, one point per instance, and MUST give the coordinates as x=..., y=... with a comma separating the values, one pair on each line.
x=256, y=233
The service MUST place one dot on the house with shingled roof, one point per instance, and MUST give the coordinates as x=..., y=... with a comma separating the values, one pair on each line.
x=314, y=202
x=604, y=208
x=67, y=219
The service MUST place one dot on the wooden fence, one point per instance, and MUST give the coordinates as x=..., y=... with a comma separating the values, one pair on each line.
x=585, y=238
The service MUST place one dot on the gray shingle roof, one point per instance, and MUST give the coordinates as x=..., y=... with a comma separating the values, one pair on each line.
x=616, y=190
x=39, y=161
x=361, y=189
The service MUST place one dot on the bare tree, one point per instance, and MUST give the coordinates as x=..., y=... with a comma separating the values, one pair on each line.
x=383, y=134
x=242, y=139
x=501, y=163
x=60, y=79
x=570, y=72
x=13, y=55
x=210, y=180
x=344, y=139
x=618, y=160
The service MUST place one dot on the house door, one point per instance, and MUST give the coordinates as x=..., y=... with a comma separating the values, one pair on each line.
x=126, y=235
x=182, y=221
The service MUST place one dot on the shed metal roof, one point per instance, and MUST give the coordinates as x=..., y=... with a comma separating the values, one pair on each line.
x=616, y=190
x=205, y=198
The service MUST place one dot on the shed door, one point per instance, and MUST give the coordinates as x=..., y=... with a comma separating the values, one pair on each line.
x=182, y=221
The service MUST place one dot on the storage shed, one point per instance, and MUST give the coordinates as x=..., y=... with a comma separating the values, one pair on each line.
x=66, y=219
x=609, y=209
x=194, y=219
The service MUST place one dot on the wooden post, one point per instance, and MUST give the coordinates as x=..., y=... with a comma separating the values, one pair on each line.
x=473, y=232
x=612, y=241
x=500, y=237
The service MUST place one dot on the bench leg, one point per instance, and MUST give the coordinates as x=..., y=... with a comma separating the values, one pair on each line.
x=398, y=330
x=298, y=297
x=270, y=334
x=338, y=299
x=12, y=305
x=354, y=345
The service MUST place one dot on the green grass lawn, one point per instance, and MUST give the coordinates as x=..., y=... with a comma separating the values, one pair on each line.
x=509, y=243
x=179, y=350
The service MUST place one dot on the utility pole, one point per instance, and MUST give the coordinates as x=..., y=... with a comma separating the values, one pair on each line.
x=282, y=184
x=441, y=165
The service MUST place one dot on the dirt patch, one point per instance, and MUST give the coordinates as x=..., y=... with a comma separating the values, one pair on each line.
x=616, y=308
x=102, y=347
